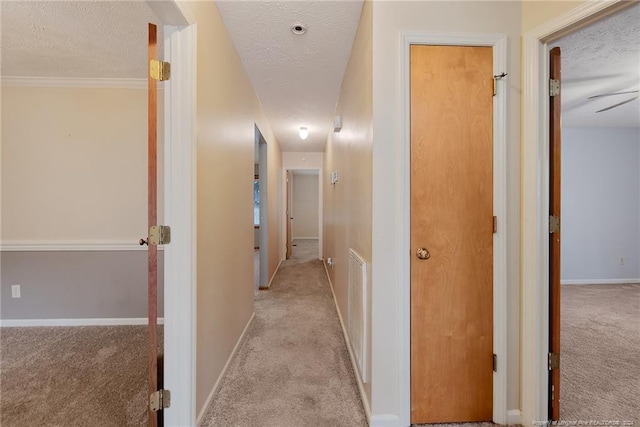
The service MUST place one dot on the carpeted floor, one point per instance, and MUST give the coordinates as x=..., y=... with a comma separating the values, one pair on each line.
x=600, y=353
x=74, y=376
x=292, y=369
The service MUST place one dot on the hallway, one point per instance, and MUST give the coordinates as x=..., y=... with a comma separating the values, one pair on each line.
x=293, y=368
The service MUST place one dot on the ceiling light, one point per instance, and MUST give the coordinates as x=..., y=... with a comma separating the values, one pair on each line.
x=304, y=132
x=298, y=29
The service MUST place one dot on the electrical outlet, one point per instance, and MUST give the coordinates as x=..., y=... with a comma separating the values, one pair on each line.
x=15, y=291
x=621, y=260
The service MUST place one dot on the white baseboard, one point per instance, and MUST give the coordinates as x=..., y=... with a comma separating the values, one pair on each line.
x=599, y=281
x=386, y=420
x=212, y=393
x=514, y=416
x=77, y=322
x=354, y=363
x=273, y=276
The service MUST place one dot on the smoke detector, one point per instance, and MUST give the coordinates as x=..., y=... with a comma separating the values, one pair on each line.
x=298, y=28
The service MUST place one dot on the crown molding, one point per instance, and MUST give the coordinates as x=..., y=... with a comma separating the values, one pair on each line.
x=75, y=82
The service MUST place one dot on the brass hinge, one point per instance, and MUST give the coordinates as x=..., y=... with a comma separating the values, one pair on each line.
x=554, y=87
x=495, y=362
x=159, y=400
x=495, y=224
x=554, y=361
x=554, y=224
x=160, y=235
x=159, y=70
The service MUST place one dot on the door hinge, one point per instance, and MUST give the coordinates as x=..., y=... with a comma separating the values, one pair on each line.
x=554, y=224
x=553, y=395
x=554, y=87
x=495, y=362
x=159, y=70
x=159, y=400
x=159, y=235
x=495, y=224
x=554, y=361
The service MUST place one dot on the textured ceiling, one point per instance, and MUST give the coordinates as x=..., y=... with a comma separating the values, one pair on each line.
x=75, y=38
x=603, y=57
x=297, y=78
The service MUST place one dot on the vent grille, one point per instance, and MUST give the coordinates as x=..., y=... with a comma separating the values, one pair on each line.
x=357, y=312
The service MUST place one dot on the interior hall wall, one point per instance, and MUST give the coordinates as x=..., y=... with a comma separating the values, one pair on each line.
x=228, y=110
x=390, y=20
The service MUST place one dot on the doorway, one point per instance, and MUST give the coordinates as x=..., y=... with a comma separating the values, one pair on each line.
x=261, y=212
x=451, y=234
x=594, y=248
x=496, y=43
x=535, y=202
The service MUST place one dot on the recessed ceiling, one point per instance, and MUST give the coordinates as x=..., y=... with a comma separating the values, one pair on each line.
x=106, y=39
x=297, y=77
x=601, y=58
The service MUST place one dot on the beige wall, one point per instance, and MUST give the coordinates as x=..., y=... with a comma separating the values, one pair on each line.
x=227, y=109
x=305, y=205
x=74, y=164
x=535, y=13
x=390, y=19
x=347, y=204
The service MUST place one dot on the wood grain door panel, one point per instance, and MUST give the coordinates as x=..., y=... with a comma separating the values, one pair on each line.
x=452, y=217
x=555, y=132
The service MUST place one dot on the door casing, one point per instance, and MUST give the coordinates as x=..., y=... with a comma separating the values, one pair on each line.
x=499, y=44
x=535, y=201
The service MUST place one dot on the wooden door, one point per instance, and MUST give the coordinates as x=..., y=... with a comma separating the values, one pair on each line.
x=289, y=240
x=554, y=238
x=452, y=219
x=152, y=221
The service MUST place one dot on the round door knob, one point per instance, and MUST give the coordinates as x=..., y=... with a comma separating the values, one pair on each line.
x=423, y=253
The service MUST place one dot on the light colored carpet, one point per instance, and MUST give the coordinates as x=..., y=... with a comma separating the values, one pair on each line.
x=600, y=353
x=293, y=369
x=74, y=376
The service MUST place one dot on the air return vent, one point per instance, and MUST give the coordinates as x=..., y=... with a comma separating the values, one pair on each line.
x=357, y=312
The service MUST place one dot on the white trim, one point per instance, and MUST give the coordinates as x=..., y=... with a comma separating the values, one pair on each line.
x=386, y=420
x=13, y=323
x=514, y=417
x=354, y=363
x=305, y=238
x=600, y=281
x=76, y=82
x=215, y=387
x=535, y=207
x=71, y=245
x=500, y=64
x=180, y=268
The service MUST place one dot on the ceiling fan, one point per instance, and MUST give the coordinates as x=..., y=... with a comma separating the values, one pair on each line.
x=611, y=107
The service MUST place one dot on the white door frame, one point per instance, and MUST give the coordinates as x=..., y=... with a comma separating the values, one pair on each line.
x=180, y=36
x=535, y=203
x=499, y=44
